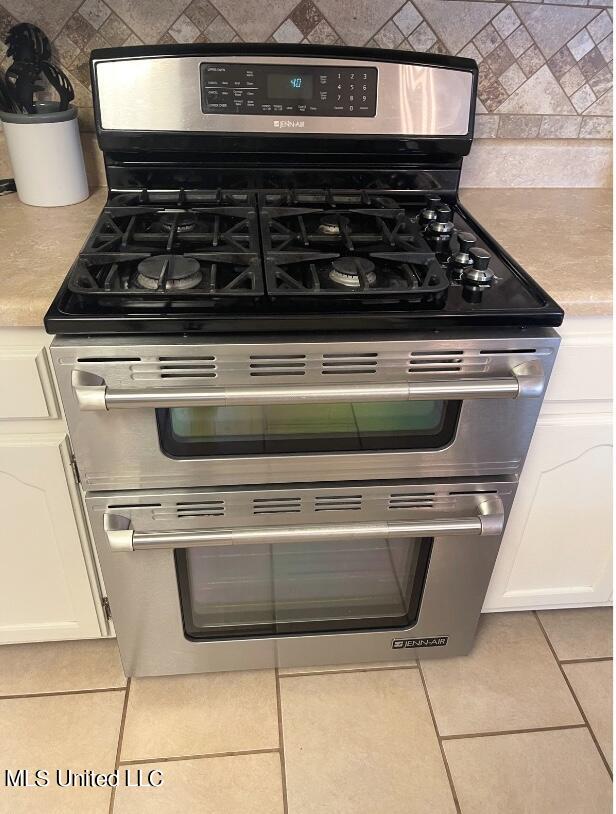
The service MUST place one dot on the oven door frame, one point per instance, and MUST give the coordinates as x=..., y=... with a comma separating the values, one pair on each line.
x=136, y=535
x=111, y=391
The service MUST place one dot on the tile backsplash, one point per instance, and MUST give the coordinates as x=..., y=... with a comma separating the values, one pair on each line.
x=545, y=69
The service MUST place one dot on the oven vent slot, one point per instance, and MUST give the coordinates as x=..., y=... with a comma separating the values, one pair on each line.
x=276, y=505
x=207, y=508
x=348, y=363
x=507, y=351
x=279, y=365
x=337, y=503
x=175, y=367
x=107, y=359
x=431, y=361
x=475, y=492
x=133, y=505
x=410, y=500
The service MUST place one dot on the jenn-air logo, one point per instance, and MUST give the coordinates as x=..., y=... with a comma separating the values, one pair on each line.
x=425, y=641
x=289, y=123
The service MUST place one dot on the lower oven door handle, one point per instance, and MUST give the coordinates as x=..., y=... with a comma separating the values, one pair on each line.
x=92, y=393
x=489, y=520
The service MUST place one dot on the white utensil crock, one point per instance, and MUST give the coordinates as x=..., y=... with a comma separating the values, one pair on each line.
x=46, y=156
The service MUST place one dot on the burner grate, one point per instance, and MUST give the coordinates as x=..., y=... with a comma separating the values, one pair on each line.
x=296, y=229
x=141, y=229
x=412, y=276
x=333, y=197
x=198, y=275
x=181, y=197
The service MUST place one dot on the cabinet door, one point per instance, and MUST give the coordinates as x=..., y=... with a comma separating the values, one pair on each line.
x=556, y=551
x=48, y=587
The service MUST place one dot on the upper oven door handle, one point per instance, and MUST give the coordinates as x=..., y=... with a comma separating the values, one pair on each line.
x=489, y=520
x=92, y=393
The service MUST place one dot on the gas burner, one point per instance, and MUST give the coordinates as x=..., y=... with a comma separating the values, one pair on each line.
x=168, y=271
x=333, y=225
x=179, y=221
x=346, y=271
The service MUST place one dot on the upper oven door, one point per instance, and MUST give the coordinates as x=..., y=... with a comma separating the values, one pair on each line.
x=180, y=413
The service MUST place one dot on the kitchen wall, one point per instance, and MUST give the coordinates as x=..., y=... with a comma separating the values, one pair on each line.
x=545, y=83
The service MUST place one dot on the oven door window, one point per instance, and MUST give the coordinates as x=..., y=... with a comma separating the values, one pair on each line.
x=197, y=432
x=285, y=589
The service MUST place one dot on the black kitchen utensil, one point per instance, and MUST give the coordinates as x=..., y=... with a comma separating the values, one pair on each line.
x=10, y=86
x=6, y=100
x=27, y=43
x=21, y=78
x=7, y=186
x=60, y=82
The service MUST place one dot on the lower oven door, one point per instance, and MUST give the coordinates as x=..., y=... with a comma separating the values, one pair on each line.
x=303, y=576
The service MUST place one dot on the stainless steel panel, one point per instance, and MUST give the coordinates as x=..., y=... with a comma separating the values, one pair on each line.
x=120, y=448
x=164, y=94
x=122, y=537
x=92, y=392
x=143, y=592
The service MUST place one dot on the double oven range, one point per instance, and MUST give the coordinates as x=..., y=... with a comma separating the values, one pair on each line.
x=300, y=379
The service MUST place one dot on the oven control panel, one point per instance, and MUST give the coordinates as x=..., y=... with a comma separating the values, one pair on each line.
x=288, y=90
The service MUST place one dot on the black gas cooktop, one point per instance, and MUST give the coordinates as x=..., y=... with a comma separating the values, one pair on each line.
x=291, y=259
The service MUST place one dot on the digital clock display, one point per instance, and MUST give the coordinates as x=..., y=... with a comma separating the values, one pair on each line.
x=289, y=86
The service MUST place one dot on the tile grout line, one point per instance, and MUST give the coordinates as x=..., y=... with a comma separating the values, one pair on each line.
x=585, y=661
x=575, y=698
x=65, y=692
x=204, y=756
x=511, y=732
x=452, y=787
x=119, y=747
x=283, y=768
x=355, y=670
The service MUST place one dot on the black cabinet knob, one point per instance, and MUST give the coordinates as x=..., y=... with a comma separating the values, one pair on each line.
x=481, y=259
x=466, y=241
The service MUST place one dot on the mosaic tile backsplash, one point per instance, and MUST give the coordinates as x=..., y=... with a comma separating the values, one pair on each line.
x=545, y=69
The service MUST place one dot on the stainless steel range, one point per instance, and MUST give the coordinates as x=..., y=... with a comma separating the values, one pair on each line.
x=300, y=379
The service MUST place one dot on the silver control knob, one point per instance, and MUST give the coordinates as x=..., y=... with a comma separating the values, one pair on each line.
x=429, y=213
x=479, y=274
x=443, y=225
x=461, y=259
x=478, y=277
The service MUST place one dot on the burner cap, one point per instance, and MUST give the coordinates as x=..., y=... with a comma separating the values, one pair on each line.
x=345, y=271
x=183, y=221
x=332, y=224
x=178, y=272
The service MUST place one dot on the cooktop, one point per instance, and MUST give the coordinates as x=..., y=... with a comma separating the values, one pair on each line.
x=291, y=259
x=287, y=188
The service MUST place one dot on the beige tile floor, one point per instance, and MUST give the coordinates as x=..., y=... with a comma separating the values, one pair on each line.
x=521, y=726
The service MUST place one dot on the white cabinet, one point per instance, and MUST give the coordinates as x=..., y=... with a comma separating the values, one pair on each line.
x=45, y=590
x=49, y=581
x=556, y=551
